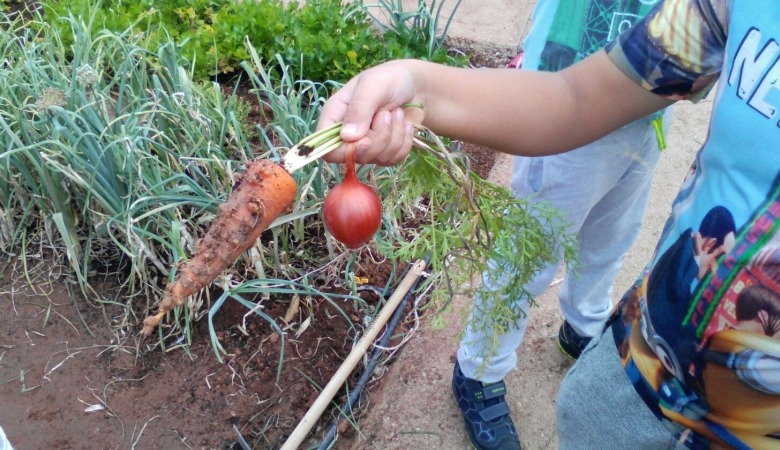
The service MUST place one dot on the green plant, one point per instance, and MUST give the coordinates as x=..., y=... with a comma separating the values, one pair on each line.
x=418, y=28
x=463, y=225
x=470, y=223
x=318, y=40
x=113, y=159
x=109, y=155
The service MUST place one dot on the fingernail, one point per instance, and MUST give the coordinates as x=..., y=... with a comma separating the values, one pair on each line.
x=362, y=147
x=349, y=129
x=387, y=117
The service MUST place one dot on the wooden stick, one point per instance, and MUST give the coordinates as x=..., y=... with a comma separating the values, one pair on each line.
x=315, y=411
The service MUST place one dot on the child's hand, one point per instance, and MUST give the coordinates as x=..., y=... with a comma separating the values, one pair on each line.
x=370, y=105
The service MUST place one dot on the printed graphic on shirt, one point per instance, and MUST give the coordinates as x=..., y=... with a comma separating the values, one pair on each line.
x=756, y=71
x=580, y=28
x=699, y=334
x=686, y=54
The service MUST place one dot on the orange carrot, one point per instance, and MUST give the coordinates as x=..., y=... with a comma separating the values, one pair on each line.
x=263, y=192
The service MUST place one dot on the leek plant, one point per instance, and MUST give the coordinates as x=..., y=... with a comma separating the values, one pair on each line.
x=114, y=160
x=424, y=23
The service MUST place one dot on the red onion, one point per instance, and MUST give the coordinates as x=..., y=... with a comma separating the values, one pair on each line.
x=352, y=211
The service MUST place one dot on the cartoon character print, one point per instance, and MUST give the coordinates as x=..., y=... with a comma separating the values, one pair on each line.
x=698, y=335
x=670, y=286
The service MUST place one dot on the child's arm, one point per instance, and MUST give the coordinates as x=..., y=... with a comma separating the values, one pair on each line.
x=513, y=111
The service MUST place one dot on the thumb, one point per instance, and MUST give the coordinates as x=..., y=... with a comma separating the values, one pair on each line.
x=349, y=106
x=365, y=100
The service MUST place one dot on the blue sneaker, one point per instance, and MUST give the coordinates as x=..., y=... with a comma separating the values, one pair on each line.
x=485, y=412
x=571, y=343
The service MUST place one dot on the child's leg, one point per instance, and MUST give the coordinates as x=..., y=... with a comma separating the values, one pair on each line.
x=611, y=226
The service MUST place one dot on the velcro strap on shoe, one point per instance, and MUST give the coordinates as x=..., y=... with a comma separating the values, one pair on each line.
x=494, y=412
x=493, y=390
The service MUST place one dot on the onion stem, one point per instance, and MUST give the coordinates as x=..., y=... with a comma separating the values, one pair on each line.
x=322, y=142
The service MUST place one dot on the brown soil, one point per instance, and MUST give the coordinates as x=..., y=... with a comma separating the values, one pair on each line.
x=65, y=388
x=66, y=383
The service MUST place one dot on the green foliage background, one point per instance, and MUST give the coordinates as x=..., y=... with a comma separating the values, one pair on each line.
x=319, y=40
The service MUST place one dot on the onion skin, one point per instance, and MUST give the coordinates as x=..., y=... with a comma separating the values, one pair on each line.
x=352, y=211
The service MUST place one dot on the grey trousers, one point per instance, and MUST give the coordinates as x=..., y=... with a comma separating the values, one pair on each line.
x=605, y=212
x=598, y=408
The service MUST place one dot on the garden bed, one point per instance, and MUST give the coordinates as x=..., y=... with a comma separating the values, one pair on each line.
x=69, y=381
x=65, y=388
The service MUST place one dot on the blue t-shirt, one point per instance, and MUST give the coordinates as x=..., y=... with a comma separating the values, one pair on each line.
x=699, y=333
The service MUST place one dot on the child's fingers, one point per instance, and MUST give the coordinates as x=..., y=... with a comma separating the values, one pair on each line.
x=364, y=105
x=358, y=111
x=384, y=144
x=372, y=92
x=387, y=143
x=395, y=148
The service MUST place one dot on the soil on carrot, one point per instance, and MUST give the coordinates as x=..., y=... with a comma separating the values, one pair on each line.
x=66, y=383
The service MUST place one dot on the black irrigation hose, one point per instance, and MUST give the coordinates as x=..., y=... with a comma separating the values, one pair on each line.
x=346, y=408
x=355, y=394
